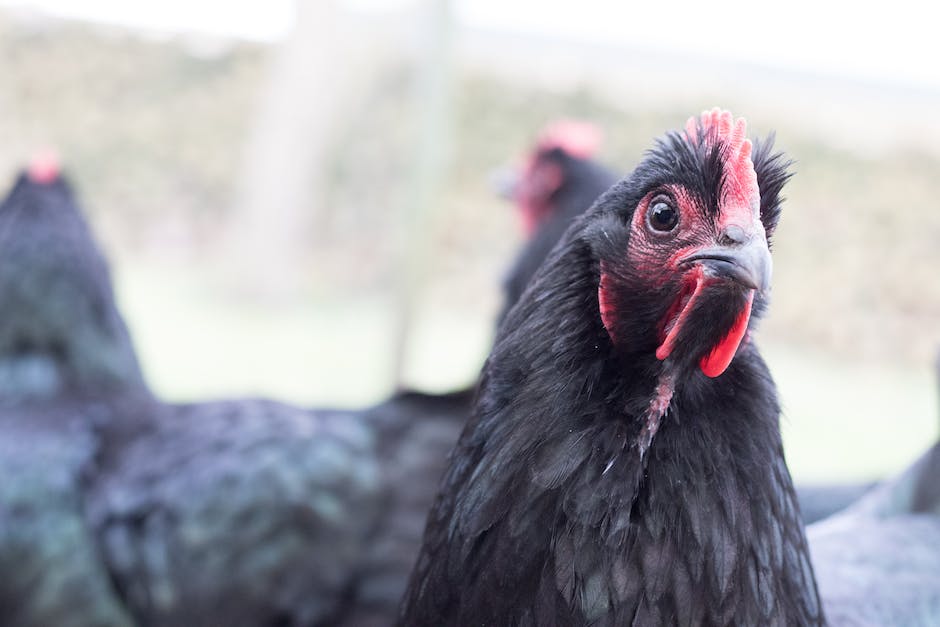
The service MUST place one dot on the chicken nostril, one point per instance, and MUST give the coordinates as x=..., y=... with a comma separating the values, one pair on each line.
x=732, y=235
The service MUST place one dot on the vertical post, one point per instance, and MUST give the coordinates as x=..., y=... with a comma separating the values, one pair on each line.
x=281, y=189
x=432, y=108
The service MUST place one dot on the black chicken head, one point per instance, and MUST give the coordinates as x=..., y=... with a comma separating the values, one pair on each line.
x=547, y=168
x=683, y=244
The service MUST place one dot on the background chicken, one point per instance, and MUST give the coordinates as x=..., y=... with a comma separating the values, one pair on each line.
x=61, y=330
x=559, y=181
x=63, y=349
x=118, y=509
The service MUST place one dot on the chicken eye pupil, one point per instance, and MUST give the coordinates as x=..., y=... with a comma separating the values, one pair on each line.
x=663, y=217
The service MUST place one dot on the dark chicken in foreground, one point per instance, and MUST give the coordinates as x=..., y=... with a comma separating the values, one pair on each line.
x=560, y=180
x=623, y=464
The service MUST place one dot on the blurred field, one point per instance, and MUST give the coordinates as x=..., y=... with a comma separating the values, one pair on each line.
x=842, y=420
x=154, y=130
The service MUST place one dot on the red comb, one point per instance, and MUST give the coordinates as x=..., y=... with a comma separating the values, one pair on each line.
x=577, y=138
x=44, y=168
x=720, y=127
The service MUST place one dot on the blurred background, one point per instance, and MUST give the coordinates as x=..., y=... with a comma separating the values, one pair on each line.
x=297, y=198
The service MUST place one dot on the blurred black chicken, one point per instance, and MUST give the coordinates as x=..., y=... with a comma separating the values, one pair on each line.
x=116, y=509
x=61, y=331
x=623, y=464
x=558, y=182
x=243, y=512
x=63, y=348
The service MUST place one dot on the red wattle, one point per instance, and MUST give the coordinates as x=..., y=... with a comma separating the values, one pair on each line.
x=695, y=286
x=720, y=356
x=604, y=305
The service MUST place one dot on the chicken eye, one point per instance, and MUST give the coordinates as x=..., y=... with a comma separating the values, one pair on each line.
x=662, y=216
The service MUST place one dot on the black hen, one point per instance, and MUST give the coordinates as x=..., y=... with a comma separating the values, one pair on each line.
x=623, y=465
x=558, y=183
x=117, y=509
x=63, y=348
x=61, y=330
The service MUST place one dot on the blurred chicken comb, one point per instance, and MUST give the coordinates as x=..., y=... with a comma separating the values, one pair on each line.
x=577, y=138
x=45, y=167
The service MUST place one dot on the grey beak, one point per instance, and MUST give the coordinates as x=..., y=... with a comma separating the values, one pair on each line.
x=749, y=263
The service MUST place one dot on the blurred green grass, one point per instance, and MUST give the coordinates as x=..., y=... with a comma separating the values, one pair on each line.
x=197, y=340
x=851, y=419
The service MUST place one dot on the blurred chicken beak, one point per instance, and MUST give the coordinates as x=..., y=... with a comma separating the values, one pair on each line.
x=747, y=263
x=504, y=182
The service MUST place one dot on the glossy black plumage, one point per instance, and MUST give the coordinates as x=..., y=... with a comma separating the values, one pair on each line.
x=50, y=569
x=551, y=515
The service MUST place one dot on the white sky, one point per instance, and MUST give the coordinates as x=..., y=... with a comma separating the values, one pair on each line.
x=898, y=40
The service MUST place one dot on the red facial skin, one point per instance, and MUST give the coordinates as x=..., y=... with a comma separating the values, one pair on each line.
x=720, y=356
x=541, y=178
x=659, y=255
